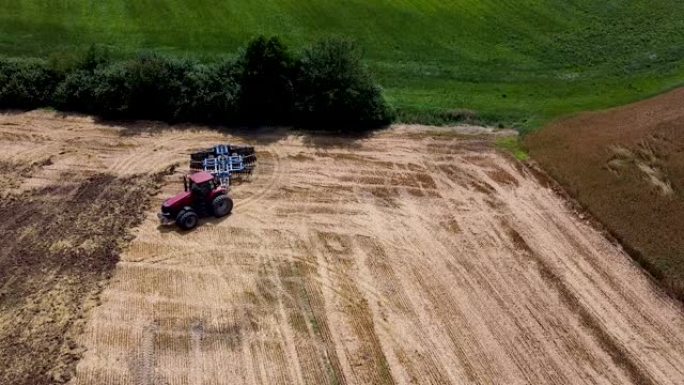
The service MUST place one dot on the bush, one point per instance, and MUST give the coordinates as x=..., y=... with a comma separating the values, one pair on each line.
x=335, y=89
x=155, y=84
x=149, y=87
x=26, y=83
x=153, y=87
x=75, y=92
x=93, y=59
x=111, y=91
x=327, y=86
x=266, y=86
x=210, y=94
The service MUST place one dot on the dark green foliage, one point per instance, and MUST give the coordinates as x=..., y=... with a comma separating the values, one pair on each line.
x=26, y=83
x=335, y=89
x=266, y=80
x=210, y=94
x=155, y=87
x=112, y=91
x=152, y=86
x=94, y=58
x=326, y=87
x=75, y=92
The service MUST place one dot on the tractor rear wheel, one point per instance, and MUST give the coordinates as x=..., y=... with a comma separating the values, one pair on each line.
x=187, y=219
x=222, y=206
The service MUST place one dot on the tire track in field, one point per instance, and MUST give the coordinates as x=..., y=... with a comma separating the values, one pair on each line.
x=145, y=363
x=271, y=177
x=486, y=191
x=612, y=347
x=366, y=358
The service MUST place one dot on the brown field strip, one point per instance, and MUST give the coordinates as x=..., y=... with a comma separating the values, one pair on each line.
x=408, y=257
x=626, y=166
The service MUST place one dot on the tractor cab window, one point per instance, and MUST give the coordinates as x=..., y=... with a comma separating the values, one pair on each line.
x=201, y=189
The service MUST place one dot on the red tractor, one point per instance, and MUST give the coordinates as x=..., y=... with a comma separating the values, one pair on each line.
x=203, y=196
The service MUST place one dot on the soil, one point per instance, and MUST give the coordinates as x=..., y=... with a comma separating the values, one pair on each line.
x=626, y=166
x=409, y=256
x=59, y=244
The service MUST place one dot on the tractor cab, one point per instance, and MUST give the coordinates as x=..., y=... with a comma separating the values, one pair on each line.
x=203, y=196
x=200, y=184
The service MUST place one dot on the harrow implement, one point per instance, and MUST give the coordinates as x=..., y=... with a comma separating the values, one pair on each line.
x=247, y=152
x=224, y=161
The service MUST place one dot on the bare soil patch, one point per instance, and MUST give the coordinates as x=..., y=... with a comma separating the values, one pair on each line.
x=58, y=246
x=626, y=166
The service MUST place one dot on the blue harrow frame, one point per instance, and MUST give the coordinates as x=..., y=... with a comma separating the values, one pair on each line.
x=224, y=161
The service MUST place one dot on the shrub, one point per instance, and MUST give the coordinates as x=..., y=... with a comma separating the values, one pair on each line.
x=26, y=83
x=154, y=87
x=327, y=86
x=149, y=87
x=334, y=89
x=76, y=92
x=154, y=84
x=266, y=87
x=64, y=62
x=210, y=94
x=93, y=59
x=112, y=91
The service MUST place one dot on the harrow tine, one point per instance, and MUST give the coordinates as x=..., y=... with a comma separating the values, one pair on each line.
x=224, y=161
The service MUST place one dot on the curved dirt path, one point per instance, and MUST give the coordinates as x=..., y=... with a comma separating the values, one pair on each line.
x=408, y=257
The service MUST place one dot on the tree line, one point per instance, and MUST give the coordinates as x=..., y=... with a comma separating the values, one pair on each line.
x=324, y=86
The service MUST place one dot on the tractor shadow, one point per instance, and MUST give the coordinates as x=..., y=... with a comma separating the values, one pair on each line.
x=350, y=139
x=255, y=135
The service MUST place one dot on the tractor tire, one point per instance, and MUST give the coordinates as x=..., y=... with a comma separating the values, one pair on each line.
x=187, y=219
x=222, y=206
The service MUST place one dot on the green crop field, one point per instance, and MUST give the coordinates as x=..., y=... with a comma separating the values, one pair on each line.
x=517, y=62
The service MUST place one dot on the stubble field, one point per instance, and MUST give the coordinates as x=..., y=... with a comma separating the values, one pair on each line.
x=412, y=256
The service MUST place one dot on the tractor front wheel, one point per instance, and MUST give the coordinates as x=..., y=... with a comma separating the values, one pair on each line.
x=222, y=205
x=187, y=219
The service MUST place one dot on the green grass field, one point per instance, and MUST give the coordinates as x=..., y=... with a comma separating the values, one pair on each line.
x=518, y=62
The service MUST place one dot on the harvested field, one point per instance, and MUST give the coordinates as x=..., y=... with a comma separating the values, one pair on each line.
x=626, y=166
x=407, y=257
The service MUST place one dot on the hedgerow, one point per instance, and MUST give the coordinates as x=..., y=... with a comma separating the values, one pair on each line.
x=334, y=88
x=26, y=83
x=325, y=86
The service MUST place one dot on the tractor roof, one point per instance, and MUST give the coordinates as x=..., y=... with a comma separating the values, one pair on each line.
x=201, y=177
